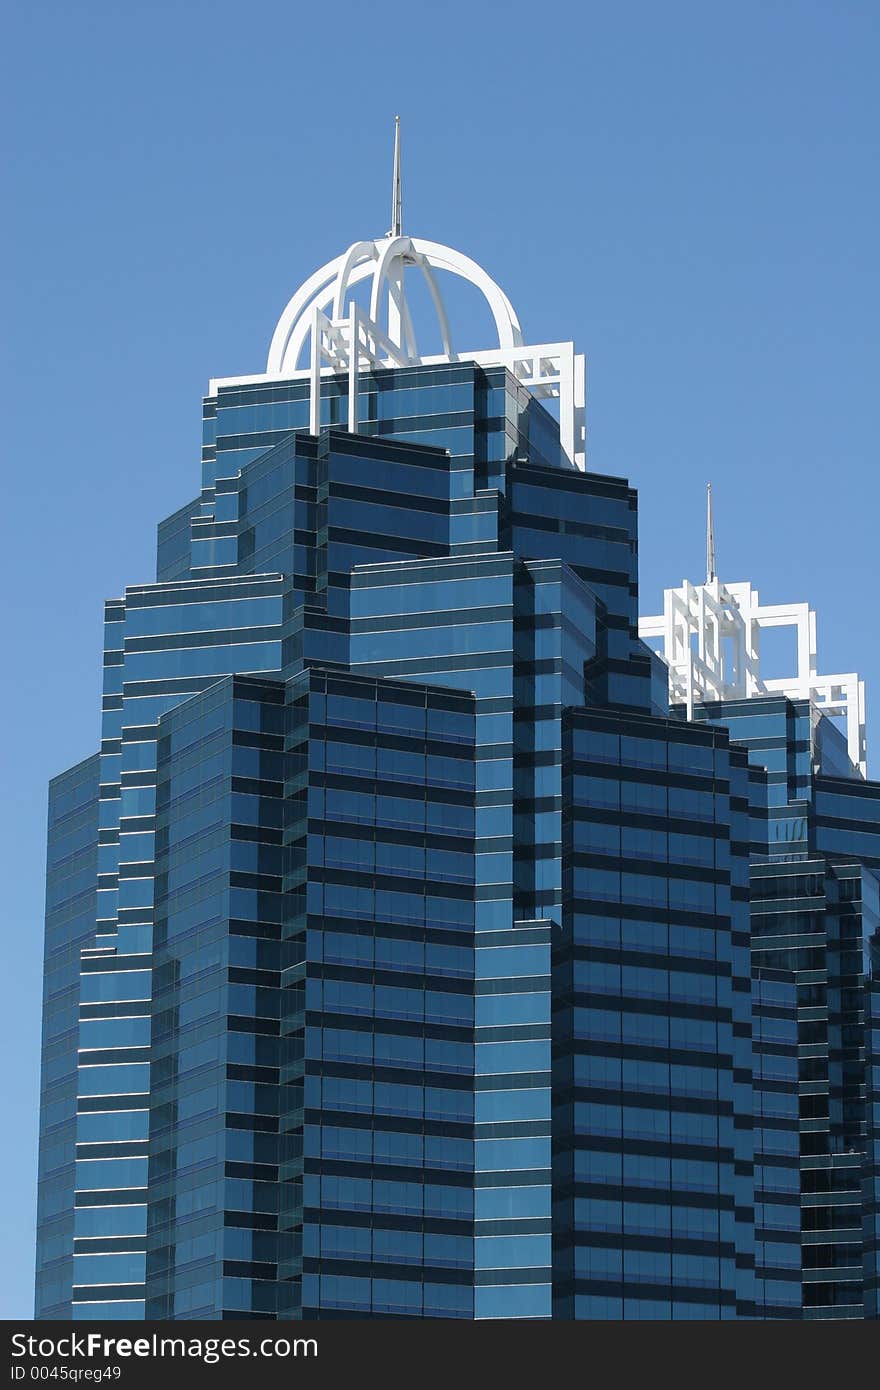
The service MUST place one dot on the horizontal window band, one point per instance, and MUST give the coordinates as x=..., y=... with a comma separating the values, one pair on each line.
x=434, y=618
x=215, y=637
x=390, y=1220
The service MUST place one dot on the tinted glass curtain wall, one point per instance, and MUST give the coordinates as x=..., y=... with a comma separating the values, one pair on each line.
x=815, y=930
x=398, y=950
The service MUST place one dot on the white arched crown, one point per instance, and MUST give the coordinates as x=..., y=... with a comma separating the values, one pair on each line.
x=324, y=330
x=385, y=262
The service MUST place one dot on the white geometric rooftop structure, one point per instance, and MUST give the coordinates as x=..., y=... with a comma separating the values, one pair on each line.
x=323, y=330
x=711, y=644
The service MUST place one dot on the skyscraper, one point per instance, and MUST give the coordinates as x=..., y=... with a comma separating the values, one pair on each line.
x=399, y=958
x=815, y=874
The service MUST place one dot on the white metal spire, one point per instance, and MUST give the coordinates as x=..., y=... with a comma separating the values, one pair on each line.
x=396, y=193
x=710, y=537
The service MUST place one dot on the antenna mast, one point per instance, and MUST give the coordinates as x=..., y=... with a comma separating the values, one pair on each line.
x=396, y=194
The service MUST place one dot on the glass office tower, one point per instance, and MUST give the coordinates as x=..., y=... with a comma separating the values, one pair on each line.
x=815, y=888
x=398, y=936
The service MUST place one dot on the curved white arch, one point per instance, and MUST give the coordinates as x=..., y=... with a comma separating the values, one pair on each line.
x=387, y=252
x=301, y=327
x=385, y=260
x=440, y=307
x=294, y=309
x=361, y=251
x=445, y=258
x=394, y=250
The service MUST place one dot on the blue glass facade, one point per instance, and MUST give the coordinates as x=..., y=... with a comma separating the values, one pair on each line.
x=384, y=883
x=653, y=1061
x=71, y=869
x=399, y=958
x=778, y=1258
x=815, y=923
x=871, y=1182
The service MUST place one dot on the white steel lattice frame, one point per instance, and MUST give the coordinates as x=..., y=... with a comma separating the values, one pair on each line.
x=711, y=645
x=320, y=326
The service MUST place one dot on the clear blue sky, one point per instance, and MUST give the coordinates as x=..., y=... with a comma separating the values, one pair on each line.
x=688, y=189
